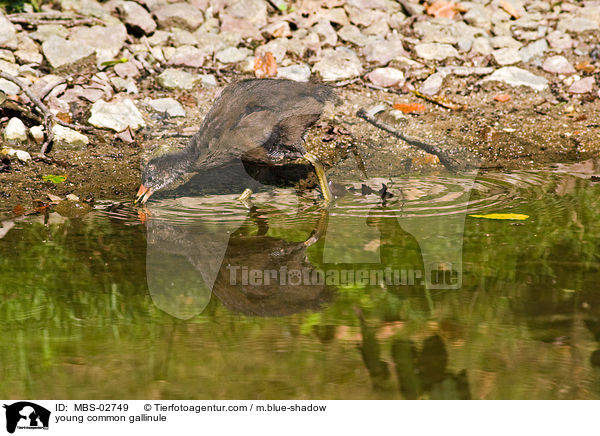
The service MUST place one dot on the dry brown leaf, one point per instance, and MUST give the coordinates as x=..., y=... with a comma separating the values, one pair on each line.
x=502, y=98
x=510, y=9
x=265, y=66
x=409, y=108
x=585, y=67
x=442, y=9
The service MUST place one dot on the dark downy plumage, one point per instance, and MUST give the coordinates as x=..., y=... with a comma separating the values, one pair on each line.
x=260, y=121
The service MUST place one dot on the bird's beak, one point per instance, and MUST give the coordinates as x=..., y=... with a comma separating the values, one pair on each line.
x=143, y=195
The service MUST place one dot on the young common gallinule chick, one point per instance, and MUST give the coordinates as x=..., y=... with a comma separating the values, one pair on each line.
x=261, y=121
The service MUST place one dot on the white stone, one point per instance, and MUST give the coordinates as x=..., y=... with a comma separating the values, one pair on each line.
x=116, y=116
x=66, y=136
x=15, y=131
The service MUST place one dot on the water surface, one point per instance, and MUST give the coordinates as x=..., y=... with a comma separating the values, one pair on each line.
x=208, y=298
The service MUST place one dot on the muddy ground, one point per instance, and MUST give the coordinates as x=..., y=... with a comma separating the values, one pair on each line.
x=531, y=130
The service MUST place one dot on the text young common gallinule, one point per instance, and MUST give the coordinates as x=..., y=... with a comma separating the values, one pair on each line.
x=261, y=121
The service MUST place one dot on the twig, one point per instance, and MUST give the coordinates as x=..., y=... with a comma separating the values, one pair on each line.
x=35, y=19
x=446, y=160
x=48, y=116
x=346, y=82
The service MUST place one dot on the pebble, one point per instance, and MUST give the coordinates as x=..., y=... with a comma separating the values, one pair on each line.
x=8, y=87
x=252, y=11
x=179, y=15
x=298, y=72
x=68, y=137
x=186, y=56
x=169, y=105
x=506, y=56
x=382, y=52
x=21, y=155
x=515, y=76
x=338, y=64
x=37, y=133
x=136, y=18
x=172, y=78
x=481, y=46
x=8, y=33
x=533, y=50
x=582, y=86
x=232, y=55
x=559, y=41
x=558, y=65
x=15, y=130
x=127, y=85
x=107, y=41
x=352, y=34
x=435, y=51
x=59, y=51
x=576, y=24
x=116, y=116
x=432, y=85
x=386, y=77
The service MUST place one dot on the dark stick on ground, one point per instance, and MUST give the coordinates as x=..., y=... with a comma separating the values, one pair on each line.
x=38, y=18
x=48, y=116
x=446, y=160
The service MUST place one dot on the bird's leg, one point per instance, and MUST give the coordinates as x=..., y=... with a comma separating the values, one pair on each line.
x=244, y=198
x=318, y=166
x=319, y=230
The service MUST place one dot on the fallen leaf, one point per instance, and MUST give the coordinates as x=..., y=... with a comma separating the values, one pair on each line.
x=585, y=67
x=502, y=98
x=502, y=216
x=442, y=9
x=54, y=178
x=265, y=66
x=510, y=9
x=409, y=108
x=114, y=62
x=54, y=198
x=18, y=210
x=64, y=116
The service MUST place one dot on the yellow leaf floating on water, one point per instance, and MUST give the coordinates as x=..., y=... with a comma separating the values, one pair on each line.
x=502, y=216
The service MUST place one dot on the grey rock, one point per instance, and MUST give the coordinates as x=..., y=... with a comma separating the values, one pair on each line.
x=506, y=56
x=181, y=37
x=327, y=33
x=298, y=72
x=8, y=33
x=334, y=15
x=69, y=138
x=59, y=51
x=160, y=37
x=9, y=88
x=126, y=85
x=126, y=69
x=44, y=85
x=365, y=17
x=382, y=52
x=169, y=105
x=207, y=80
x=446, y=31
x=253, y=11
x=29, y=57
x=239, y=26
x=559, y=41
x=465, y=44
x=533, y=50
x=482, y=46
x=277, y=47
x=379, y=29
x=37, y=133
x=210, y=43
x=7, y=55
x=582, y=86
x=21, y=155
x=558, y=65
x=116, y=116
x=576, y=24
x=9, y=67
x=232, y=55
x=15, y=131
x=431, y=86
x=136, y=18
x=435, y=51
x=466, y=71
x=353, y=34
x=505, y=42
x=386, y=77
x=278, y=29
x=107, y=41
x=179, y=15
x=176, y=79
x=187, y=56
x=338, y=64
x=45, y=31
x=479, y=16
x=515, y=76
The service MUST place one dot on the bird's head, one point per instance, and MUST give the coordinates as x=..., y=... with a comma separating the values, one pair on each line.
x=159, y=173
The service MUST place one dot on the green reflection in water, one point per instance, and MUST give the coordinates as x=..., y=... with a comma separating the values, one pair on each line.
x=78, y=320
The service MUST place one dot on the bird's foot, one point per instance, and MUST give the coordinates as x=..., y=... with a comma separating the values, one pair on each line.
x=323, y=183
x=245, y=199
